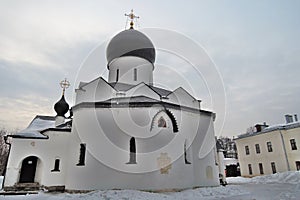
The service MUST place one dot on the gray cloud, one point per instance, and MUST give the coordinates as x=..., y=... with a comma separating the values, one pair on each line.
x=255, y=46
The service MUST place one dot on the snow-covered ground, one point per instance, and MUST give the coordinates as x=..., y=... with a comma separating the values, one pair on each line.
x=277, y=186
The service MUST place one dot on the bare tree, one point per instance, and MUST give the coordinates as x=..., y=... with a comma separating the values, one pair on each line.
x=4, y=150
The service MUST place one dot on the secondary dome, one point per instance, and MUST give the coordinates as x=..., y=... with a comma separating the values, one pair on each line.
x=61, y=107
x=130, y=43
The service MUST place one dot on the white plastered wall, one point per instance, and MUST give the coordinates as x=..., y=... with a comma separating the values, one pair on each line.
x=46, y=150
x=126, y=66
x=107, y=125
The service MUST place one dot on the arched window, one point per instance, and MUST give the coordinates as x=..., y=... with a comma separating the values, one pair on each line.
x=82, y=155
x=186, y=156
x=117, y=76
x=162, y=123
x=159, y=121
x=132, y=151
x=56, y=165
x=135, y=74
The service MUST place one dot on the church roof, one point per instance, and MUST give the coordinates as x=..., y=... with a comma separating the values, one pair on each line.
x=124, y=87
x=134, y=99
x=137, y=101
x=270, y=129
x=38, y=126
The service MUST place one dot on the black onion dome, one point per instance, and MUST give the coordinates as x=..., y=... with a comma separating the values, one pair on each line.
x=61, y=107
x=130, y=43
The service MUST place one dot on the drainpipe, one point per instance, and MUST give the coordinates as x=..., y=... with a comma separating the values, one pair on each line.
x=284, y=150
x=9, y=147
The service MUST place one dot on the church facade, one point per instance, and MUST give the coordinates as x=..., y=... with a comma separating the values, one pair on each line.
x=124, y=132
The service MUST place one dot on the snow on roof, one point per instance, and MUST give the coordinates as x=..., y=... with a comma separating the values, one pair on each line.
x=124, y=87
x=230, y=161
x=39, y=123
x=272, y=128
x=131, y=99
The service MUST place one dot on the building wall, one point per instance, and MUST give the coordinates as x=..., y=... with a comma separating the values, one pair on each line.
x=181, y=97
x=46, y=150
x=293, y=155
x=125, y=67
x=107, y=143
x=282, y=155
x=277, y=155
x=142, y=90
x=96, y=90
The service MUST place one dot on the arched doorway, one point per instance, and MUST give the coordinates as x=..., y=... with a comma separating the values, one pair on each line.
x=28, y=169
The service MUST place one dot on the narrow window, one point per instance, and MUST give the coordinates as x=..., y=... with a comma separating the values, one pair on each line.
x=186, y=160
x=269, y=146
x=162, y=123
x=132, y=153
x=56, y=166
x=298, y=165
x=257, y=148
x=273, y=167
x=261, y=169
x=250, y=169
x=135, y=74
x=293, y=144
x=117, y=77
x=82, y=155
x=247, y=150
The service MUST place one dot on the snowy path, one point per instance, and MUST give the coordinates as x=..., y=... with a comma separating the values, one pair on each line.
x=270, y=191
x=272, y=187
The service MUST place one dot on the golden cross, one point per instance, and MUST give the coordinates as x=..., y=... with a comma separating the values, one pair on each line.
x=64, y=84
x=131, y=16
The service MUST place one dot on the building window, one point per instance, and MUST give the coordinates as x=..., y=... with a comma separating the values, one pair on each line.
x=273, y=167
x=250, y=169
x=117, y=76
x=293, y=144
x=247, y=150
x=162, y=123
x=261, y=169
x=257, y=148
x=298, y=165
x=132, y=151
x=186, y=160
x=269, y=146
x=135, y=74
x=56, y=166
x=82, y=155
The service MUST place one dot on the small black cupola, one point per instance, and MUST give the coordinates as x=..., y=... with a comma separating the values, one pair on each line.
x=62, y=107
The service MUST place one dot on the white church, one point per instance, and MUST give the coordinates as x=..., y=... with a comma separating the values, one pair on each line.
x=123, y=132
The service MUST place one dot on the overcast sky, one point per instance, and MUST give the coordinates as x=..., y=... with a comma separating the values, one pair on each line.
x=255, y=46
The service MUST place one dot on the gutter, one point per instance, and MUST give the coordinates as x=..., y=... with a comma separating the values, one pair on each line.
x=284, y=150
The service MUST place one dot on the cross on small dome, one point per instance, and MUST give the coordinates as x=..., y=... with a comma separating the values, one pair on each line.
x=61, y=107
x=64, y=84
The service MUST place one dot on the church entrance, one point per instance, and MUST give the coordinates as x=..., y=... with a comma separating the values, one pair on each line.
x=28, y=169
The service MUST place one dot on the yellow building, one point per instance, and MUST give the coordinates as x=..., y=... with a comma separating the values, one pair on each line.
x=270, y=149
